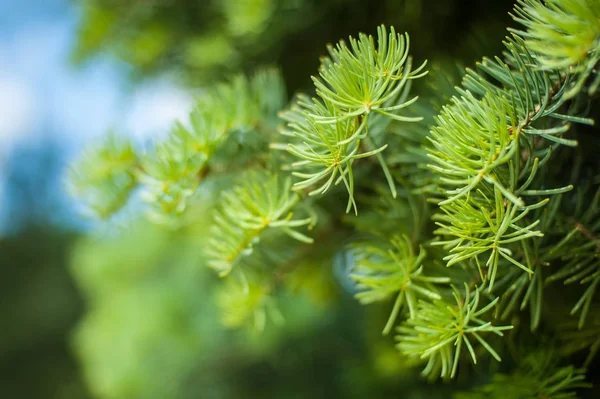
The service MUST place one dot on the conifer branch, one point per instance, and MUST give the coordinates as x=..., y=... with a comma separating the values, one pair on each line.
x=355, y=84
x=382, y=273
x=438, y=332
x=105, y=176
x=262, y=203
x=502, y=221
x=539, y=376
x=489, y=144
x=172, y=170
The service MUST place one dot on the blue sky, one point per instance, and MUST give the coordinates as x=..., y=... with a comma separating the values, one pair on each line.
x=43, y=97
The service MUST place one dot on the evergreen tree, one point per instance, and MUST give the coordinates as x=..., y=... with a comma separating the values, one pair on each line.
x=470, y=213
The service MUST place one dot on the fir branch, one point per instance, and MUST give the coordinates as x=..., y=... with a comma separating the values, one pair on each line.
x=438, y=332
x=262, y=203
x=174, y=170
x=105, y=176
x=565, y=35
x=539, y=376
x=575, y=339
x=326, y=133
x=504, y=221
x=486, y=152
x=519, y=290
x=382, y=273
x=476, y=230
x=248, y=303
x=581, y=263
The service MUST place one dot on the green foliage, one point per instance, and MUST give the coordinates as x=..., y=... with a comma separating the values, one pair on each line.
x=487, y=152
x=575, y=339
x=395, y=271
x=172, y=170
x=580, y=264
x=201, y=39
x=156, y=313
x=537, y=377
x=105, y=176
x=239, y=304
x=564, y=35
x=327, y=132
x=478, y=195
x=142, y=297
x=263, y=203
x=438, y=331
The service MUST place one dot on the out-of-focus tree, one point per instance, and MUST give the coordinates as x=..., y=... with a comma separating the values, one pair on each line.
x=200, y=40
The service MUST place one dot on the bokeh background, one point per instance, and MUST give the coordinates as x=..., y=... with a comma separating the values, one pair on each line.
x=83, y=314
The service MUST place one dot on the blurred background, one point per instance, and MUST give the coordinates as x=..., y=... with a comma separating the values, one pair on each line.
x=85, y=315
